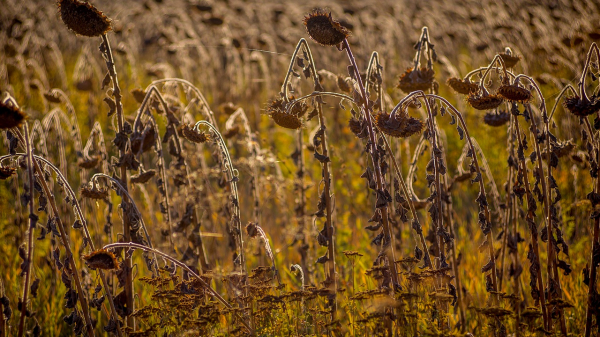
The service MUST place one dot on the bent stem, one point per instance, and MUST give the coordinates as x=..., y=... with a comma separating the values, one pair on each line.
x=331, y=280
x=552, y=269
x=110, y=64
x=366, y=109
x=182, y=265
x=530, y=219
x=32, y=223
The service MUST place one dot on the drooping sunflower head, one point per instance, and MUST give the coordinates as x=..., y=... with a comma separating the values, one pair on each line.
x=277, y=111
x=398, y=126
x=10, y=116
x=322, y=28
x=83, y=18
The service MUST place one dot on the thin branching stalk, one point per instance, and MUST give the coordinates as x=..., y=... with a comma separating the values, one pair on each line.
x=409, y=199
x=325, y=164
x=366, y=111
x=32, y=223
x=116, y=93
x=233, y=177
x=3, y=319
x=592, y=292
x=182, y=265
x=124, y=192
x=151, y=92
x=552, y=269
x=530, y=218
x=62, y=231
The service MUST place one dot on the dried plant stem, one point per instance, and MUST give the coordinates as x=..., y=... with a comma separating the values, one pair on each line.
x=489, y=237
x=64, y=239
x=552, y=268
x=301, y=207
x=153, y=90
x=325, y=166
x=485, y=70
x=409, y=200
x=129, y=290
x=33, y=165
x=329, y=210
x=511, y=220
x=3, y=320
x=182, y=265
x=376, y=168
x=86, y=234
x=232, y=175
x=205, y=106
x=533, y=231
x=596, y=229
x=30, y=242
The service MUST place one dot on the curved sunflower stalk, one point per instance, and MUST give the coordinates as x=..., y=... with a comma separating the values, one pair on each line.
x=366, y=106
x=37, y=131
x=195, y=98
x=58, y=228
x=88, y=160
x=233, y=178
x=325, y=206
x=254, y=149
x=189, y=89
x=494, y=193
x=484, y=214
x=580, y=104
x=144, y=137
x=515, y=93
x=375, y=75
x=521, y=188
x=58, y=96
x=95, y=185
x=436, y=169
x=52, y=120
x=183, y=266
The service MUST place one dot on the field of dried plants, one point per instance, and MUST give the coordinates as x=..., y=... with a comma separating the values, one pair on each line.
x=270, y=168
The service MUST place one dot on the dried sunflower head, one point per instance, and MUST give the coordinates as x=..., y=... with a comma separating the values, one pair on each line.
x=342, y=83
x=139, y=95
x=514, y=93
x=144, y=140
x=231, y=132
x=582, y=107
x=276, y=110
x=91, y=191
x=228, y=108
x=464, y=87
x=101, y=259
x=88, y=163
x=251, y=229
x=509, y=59
x=83, y=18
x=6, y=172
x=188, y=132
x=487, y=102
x=400, y=126
x=358, y=127
x=414, y=80
x=143, y=177
x=496, y=118
x=322, y=28
x=52, y=97
x=10, y=116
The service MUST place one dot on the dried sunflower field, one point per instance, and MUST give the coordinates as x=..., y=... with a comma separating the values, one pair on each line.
x=285, y=168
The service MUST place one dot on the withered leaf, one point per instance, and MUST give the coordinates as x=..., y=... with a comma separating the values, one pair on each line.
x=323, y=259
x=488, y=266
